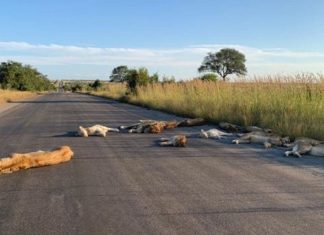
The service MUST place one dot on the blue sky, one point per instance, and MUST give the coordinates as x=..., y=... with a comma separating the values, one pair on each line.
x=86, y=39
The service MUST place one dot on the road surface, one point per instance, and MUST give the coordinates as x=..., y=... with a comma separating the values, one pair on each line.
x=127, y=184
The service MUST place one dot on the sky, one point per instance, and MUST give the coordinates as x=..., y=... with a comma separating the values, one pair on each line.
x=86, y=39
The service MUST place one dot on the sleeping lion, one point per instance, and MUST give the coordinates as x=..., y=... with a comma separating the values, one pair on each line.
x=259, y=137
x=150, y=126
x=304, y=145
x=175, y=141
x=96, y=130
x=18, y=161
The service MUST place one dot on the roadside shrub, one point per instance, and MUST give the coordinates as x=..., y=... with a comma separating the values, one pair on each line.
x=210, y=77
x=14, y=75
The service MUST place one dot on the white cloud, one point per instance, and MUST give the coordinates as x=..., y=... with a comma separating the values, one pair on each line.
x=181, y=62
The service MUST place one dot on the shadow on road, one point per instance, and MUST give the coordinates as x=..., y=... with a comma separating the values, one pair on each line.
x=63, y=101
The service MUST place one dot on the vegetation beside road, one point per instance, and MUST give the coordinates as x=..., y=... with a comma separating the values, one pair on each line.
x=290, y=105
x=16, y=76
x=10, y=96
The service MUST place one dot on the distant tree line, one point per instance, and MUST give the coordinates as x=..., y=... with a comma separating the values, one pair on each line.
x=77, y=86
x=225, y=62
x=14, y=75
x=133, y=77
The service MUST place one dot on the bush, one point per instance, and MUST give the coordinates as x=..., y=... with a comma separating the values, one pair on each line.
x=14, y=75
x=141, y=77
x=211, y=77
x=96, y=84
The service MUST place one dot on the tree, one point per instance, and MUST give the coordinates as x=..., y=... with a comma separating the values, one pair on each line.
x=226, y=61
x=96, y=84
x=119, y=74
x=166, y=79
x=14, y=75
x=210, y=77
x=132, y=80
x=154, y=78
x=76, y=87
x=140, y=77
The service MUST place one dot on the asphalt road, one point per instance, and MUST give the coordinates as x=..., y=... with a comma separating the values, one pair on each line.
x=127, y=184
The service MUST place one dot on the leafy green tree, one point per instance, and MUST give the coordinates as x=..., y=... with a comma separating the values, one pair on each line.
x=14, y=75
x=226, y=61
x=143, y=76
x=166, y=79
x=211, y=77
x=140, y=77
x=96, y=84
x=76, y=87
x=119, y=74
x=132, y=79
x=154, y=78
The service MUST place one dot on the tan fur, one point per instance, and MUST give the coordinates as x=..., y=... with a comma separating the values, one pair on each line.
x=96, y=130
x=267, y=139
x=150, y=126
x=236, y=128
x=317, y=150
x=256, y=128
x=175, y=141
x=171, y=124
x=19, y=161
x=305, y=140
x=229, y=127
x=192, y=122
x=213, y=133
x=304, y=145
x=156, y=128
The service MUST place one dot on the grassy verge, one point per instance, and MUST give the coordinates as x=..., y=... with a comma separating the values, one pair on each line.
x=291, y=105
x=10, y=96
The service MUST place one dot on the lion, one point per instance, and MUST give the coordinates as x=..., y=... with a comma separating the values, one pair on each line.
x=304, y=145
x=150, y=126
x=213, y=133
x=96, y=130
x=175, y=141
x=260, y=137
x=236, y=128
x=230, y=127
x=167, y=124
x=18, y=161
x=191, y=122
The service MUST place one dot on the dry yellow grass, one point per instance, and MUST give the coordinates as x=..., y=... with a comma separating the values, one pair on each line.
x=112, y=90
x=9, y=96
x=290, y=105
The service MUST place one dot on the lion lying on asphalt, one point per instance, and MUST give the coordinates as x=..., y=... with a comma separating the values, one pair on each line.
x=213, y=133
x=236, y=128
x=175, y=141
x=191, y=122
x=150, y=126
x=96, y=130
x=259, y=137
x=19, y=161
x=303, y=145
x=155, y=126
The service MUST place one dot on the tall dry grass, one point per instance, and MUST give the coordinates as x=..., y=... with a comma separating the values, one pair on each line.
x=290, y=105
x=112, y=90
x=9, y=96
